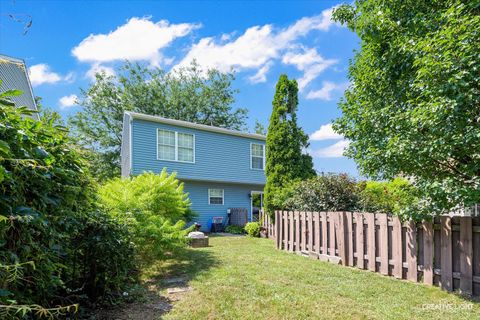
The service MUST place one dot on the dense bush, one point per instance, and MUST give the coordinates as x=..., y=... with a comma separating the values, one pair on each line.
x=154, y=208
x=234, y=229
x=333, y=192
x=398, y=197
x=253, y=229
x=52, y=237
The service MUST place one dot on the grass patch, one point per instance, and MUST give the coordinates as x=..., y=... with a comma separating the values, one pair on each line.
x=246, y=278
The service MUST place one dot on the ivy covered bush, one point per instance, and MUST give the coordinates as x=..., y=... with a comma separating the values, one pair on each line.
x=332, y=192
x=153, y=207
x=340, y=192
x=56, y=246
x=398, y=197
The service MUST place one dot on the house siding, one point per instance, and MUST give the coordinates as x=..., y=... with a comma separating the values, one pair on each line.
x=13, y=74
x=235, y=196
x=219, y=157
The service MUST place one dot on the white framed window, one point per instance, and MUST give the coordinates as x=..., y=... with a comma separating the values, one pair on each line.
x=215, y=196
x=257, y=156
x=175, y=146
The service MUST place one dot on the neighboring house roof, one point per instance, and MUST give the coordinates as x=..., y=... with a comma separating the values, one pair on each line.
x=13, y=74
x=187, y=124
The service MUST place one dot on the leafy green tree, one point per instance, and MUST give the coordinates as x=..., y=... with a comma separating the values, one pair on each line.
x=189, y=94
x=52, y=234
x=414, y=105
x=286, y=143
x=260, y=128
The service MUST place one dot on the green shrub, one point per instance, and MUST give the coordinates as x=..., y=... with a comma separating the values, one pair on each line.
x=55, y=246
x=253, y=229
x=398, y=197
x=234, y=229
x=333, y=192
x=154, y=208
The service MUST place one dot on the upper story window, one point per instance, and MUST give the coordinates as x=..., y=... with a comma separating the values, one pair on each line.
x=175, y=146
x=257, y=155
x=215, y=196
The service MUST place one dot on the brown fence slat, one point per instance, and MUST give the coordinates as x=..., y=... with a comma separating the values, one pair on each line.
x=323, y=216
x=411, y=251
x=359, y=240
x=310, y=231
x=340, y=236
x=285, y=229
x=397, y=252
x=277, y=229
x=316, y=216
x=331, y=218
x=383, y=243
x=427, y=252
x=371, y=240
x=297, y=231
x=446, y=281
x=349, y=239
x=291, y=244
x=466, y=256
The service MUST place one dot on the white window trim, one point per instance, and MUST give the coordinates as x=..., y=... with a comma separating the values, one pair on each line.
x=176, y=146
x=223, y=197
x=251, y=158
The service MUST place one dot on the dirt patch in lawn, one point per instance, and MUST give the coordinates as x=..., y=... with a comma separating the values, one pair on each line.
x=154, y=304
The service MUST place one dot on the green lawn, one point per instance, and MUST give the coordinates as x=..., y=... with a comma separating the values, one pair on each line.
x=246, y=278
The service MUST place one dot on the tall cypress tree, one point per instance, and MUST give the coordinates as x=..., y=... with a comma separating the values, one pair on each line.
x=286, y=141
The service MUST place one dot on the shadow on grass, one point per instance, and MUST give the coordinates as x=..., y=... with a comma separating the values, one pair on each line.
x=186, y=263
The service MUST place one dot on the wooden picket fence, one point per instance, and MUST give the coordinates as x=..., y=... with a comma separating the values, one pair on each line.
x=445, y=252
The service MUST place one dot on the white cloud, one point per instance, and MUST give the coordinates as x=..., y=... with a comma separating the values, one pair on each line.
x=310, y=62
x=40, y=74
x=261, y=75
x=325, y=92
x=325, y=133
x=68, y=101
x=139, y=39
x=334, y=151
x=98, y=68
x=256, y=48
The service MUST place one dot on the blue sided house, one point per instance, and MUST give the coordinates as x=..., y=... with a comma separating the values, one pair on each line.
x=222, y=170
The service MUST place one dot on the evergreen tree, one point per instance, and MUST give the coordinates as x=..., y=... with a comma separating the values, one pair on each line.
x=286, y=142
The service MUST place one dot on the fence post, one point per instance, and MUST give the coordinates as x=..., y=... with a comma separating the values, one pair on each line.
x=446, y=281
x=341, y=236
x=323, y=215
x=285, y=229
x=397, y=248
x=316, y=216
x=331, y=217
x=359, y=240
x=383, y=243
x=310, y=231
x=427, y=252
x=466, y=256
x=278, y=237
x=349, y=237
x=371, y=241
x=411, y=251
x=297, y=231
x=291, y=244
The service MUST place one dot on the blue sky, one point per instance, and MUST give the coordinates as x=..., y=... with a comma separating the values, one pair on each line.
x=70, y=40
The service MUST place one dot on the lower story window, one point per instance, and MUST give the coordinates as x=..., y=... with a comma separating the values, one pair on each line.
x=215, y=196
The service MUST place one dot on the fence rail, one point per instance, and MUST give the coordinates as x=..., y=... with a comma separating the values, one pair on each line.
x=445, y=252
